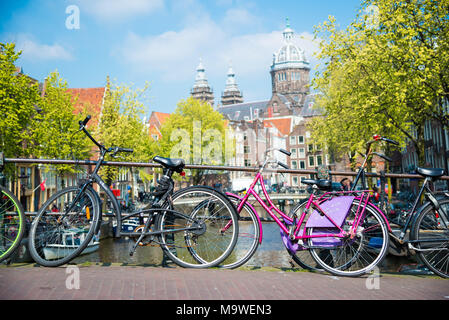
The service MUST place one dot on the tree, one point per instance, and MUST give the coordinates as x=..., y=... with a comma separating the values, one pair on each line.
x=121, y=125
x=56, y=126
x=386, y=73
x=19, y=99
x=196, y=133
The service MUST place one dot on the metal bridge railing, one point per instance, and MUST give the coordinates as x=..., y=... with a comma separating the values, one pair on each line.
x=211, y=167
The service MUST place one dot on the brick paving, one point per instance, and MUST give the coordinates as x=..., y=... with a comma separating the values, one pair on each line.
x=116, y=282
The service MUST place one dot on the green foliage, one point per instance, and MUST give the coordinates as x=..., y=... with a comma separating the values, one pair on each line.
x=121, y=125
x=56, y=126
x=196, y=133
x=387, y=73
x=19, y=96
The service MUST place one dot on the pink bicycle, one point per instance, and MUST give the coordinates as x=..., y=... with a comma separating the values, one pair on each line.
x=343, y=232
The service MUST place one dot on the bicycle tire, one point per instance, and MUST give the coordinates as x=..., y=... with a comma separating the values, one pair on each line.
x=12, y=223
x=428, y=224
x=248, y=239
x=303, y=257
x=204, y=248
x=53, y=238
x=343, y=260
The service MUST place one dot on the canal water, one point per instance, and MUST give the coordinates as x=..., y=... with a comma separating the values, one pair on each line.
x=271, y=253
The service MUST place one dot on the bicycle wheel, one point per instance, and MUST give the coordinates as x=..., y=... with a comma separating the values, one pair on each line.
x=64, y=227
x=248, y=238
x=357, y=256
x=12, y=223
x=213, y=225
x=303, y=257
x=430, y=233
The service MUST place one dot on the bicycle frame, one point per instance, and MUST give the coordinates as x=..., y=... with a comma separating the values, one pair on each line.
x=94, y=177
x=365, y=197
x=413, y=214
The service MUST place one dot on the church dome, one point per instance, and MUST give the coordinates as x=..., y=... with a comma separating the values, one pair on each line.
x=289, y=55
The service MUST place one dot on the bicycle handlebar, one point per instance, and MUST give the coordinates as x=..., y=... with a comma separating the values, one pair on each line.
x=283, y=165
x=102, y=147
x=85, y=121
x=278, y=149
x=390, y=141
x=285, y=152
x=383, y=156
x=118, y=149
x=377, y=137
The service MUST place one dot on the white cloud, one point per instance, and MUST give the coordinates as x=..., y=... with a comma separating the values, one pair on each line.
x=176, y=53
x=117, y=10
x=32, y=50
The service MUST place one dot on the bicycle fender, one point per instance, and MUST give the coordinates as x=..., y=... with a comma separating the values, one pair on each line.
x=381, y=213
x=432, y=202
x=100, y=218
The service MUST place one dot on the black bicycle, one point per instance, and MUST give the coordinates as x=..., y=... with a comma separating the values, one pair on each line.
x=425, y=231
x=191, y=225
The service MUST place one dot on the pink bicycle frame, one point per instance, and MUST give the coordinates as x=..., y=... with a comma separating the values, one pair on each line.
x=363, y=200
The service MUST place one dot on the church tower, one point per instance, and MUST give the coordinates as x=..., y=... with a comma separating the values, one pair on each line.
x=290, y=70
x=232, y=93
x=201, y=89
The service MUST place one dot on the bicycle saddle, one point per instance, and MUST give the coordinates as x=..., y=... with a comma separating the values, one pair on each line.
x=430, y=172
x=172, y=164
x=321, y=183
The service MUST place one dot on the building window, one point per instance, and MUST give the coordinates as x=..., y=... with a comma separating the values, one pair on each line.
x=25, y=177
x=295, y=181
x=302, y=164
x=319, y=160
x=294, y=164
x=246, y=149
x=310, y=148
x=300, y=139
x=301, y=153
x=311, y=161
x=247, y=163
x=292, y=140
x=293, y=151
x=282, y=76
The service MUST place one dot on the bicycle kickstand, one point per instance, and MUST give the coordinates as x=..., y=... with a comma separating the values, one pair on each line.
x=135, y=245
x=292, y=227
x=145, y=230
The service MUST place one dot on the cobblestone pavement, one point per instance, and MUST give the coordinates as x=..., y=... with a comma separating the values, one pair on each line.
x=157, y=283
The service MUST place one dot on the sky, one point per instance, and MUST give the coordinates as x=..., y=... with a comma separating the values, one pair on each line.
x=162, y=41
